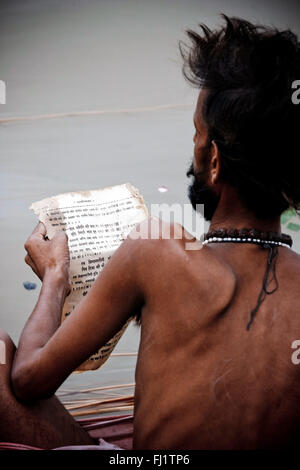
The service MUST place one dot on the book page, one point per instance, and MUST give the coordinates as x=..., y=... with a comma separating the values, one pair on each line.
x=96, y=223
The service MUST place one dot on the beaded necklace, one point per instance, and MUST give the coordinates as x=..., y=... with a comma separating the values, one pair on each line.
x=267, y=240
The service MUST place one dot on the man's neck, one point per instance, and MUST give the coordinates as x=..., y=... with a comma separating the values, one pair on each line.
x=231, y=213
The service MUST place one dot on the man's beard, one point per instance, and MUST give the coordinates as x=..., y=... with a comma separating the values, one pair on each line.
x=199, y=192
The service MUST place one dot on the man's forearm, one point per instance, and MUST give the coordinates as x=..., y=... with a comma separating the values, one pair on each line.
x=46, y=316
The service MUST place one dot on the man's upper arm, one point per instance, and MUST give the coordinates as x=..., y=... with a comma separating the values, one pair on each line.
x=113, y=298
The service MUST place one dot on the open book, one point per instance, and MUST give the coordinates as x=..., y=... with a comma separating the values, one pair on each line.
x=96, y=223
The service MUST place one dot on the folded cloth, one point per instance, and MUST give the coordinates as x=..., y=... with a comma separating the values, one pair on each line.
x=103, y=445
x=116, y=430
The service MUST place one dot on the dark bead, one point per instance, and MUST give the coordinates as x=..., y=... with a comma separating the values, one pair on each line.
x=286, y=239
x=221, y=233
x=244, y=232
x=277, y=237
x=263, y=235
x=254, y=233
x=233, y=233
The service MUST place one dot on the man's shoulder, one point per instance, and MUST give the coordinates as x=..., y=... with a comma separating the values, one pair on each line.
x=169, y=246
x=291, y=259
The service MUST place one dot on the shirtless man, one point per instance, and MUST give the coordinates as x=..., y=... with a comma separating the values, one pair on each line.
x=203, y=379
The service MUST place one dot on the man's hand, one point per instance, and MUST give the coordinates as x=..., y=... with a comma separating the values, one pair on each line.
x=45, y=256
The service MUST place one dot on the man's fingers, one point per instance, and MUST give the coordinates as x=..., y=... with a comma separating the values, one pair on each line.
x=39, y=233
x=28, y=260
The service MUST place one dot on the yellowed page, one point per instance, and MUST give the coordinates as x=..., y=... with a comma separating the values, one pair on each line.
x=96, y=223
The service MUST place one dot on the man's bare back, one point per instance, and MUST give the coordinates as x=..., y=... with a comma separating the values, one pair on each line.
x=202, y=380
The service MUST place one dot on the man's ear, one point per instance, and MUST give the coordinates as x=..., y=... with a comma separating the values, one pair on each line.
x=215, y=164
